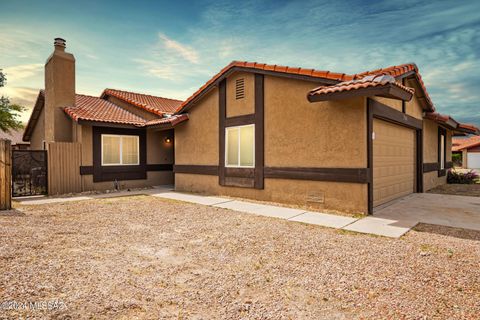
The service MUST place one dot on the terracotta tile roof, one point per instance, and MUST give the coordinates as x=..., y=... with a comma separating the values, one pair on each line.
x=394, y=71
x=450, y=122
x=170, y=120
x=153, y=104
x=95, y=109
x=459, y=144
x=370, y=81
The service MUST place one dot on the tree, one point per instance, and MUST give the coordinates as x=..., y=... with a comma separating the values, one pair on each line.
x=9, y=113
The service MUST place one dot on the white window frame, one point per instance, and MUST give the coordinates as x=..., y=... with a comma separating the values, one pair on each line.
x=137, y=138
x=226, y=147
x=442, y=150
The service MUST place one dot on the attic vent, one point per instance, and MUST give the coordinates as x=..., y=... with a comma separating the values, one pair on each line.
x=240, y=88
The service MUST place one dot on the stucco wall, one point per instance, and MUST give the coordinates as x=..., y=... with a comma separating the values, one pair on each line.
x=430, y=153
x=348, y=197
x=196, y=140
x=412, y=107
x=38, y=133
x=297, y=134
x=245, y=105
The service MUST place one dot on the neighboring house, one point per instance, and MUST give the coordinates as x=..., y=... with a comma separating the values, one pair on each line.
x=265, y=132
x=16, y=138
x=469, y=148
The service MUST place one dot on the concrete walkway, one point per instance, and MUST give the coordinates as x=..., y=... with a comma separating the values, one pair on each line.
x=393, y=220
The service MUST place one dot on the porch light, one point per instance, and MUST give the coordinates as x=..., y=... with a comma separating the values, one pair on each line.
x=168, y=140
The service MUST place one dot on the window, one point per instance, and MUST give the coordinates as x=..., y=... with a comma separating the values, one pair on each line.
x=442, y=151
x=119, y=150
x=240, y=146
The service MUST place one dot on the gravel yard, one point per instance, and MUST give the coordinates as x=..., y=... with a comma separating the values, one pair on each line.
x=144, y=257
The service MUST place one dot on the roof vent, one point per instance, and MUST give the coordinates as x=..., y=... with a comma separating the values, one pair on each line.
x=240, y=88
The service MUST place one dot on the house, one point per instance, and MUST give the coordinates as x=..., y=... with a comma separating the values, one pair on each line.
x=469, y=150
x=265, y=132
x=16, y=138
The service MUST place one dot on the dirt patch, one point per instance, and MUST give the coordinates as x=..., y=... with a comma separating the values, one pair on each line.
x=144, y=257
x=472, y=190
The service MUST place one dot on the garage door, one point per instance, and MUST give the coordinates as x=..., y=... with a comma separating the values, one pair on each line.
x=393, y=161
x=473, y=160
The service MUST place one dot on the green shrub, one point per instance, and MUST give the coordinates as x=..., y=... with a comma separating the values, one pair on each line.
x=457, y=159
x=469, y=177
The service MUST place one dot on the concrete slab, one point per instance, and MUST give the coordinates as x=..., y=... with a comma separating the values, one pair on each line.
x=324, y=219
x=380, y=226
x=192, y=198
x=261, y=209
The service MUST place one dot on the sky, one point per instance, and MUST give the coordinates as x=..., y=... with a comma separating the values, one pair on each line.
x=170, y=48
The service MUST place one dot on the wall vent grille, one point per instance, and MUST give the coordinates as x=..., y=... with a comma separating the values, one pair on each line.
x=240, y=88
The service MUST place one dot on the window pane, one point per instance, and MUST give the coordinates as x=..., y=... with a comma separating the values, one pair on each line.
x=232, y=146
x=130, y=150
x=246, y=145
x=111, y=150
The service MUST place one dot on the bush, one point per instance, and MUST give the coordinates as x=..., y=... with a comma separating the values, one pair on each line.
x=457, y=159
x=469, y=177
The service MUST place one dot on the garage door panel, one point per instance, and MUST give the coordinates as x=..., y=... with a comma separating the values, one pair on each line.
x=393, y=161
x=473, y=160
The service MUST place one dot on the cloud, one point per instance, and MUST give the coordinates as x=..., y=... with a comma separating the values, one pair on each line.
x=21, y=72
x=185, y=51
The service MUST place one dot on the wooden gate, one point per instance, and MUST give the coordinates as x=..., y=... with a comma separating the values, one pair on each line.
x=64, y=160
x=5, y=175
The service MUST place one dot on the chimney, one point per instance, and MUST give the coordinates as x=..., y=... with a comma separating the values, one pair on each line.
x=59, y=93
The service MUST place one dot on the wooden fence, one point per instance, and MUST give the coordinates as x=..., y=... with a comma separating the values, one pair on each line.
x=5, y=175
x=64, y=161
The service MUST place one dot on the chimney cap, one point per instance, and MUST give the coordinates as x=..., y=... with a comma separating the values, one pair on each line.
x=60, y=42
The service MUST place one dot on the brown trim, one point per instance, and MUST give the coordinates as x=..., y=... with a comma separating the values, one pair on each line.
x=442, y=132
x=419, y=166
x=222, y=111
x=404, y=103
x=370, y=154
x=240, y=120
x=388, y=91
x=430, y=167
x=259, y=131
x=385, y=112
x=196, y=169
x=119, y=173
x=107, y=124
x=355, y=175
x=449, y=165
x=86, y=170
x=160, y=167
x=240, y=172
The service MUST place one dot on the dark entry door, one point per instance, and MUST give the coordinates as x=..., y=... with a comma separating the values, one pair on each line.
x=29, y=172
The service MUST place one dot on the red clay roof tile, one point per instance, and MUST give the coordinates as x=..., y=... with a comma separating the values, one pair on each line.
x=153, y=104
x=459, y=144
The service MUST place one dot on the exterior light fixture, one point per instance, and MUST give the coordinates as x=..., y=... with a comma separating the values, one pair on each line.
x=168, y=140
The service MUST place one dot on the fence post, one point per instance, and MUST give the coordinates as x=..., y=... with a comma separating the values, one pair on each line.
x=5, y=174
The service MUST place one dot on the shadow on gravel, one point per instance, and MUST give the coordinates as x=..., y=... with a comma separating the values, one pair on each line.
x=448, y=231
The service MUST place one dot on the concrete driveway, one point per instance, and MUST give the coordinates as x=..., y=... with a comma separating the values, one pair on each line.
x=398, y=217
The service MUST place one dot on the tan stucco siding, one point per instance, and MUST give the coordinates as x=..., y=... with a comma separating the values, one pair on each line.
x=412, y=107
x=430, y=153
x=133, y=109
x=298, y=133
x=159, y=151
x=196, y=141
x=38, y=133
x=243, y=106
x=348, y=197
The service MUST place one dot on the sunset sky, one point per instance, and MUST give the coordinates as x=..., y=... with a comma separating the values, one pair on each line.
x=171, y=48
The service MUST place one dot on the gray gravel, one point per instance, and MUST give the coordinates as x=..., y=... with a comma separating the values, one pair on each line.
x=149, y=258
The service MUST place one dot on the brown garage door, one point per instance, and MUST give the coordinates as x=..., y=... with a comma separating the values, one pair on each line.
x=393, y=161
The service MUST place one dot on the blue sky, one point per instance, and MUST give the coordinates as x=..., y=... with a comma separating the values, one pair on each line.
x=171, y=48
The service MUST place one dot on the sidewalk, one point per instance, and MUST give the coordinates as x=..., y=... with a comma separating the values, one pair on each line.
x=369, y=225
